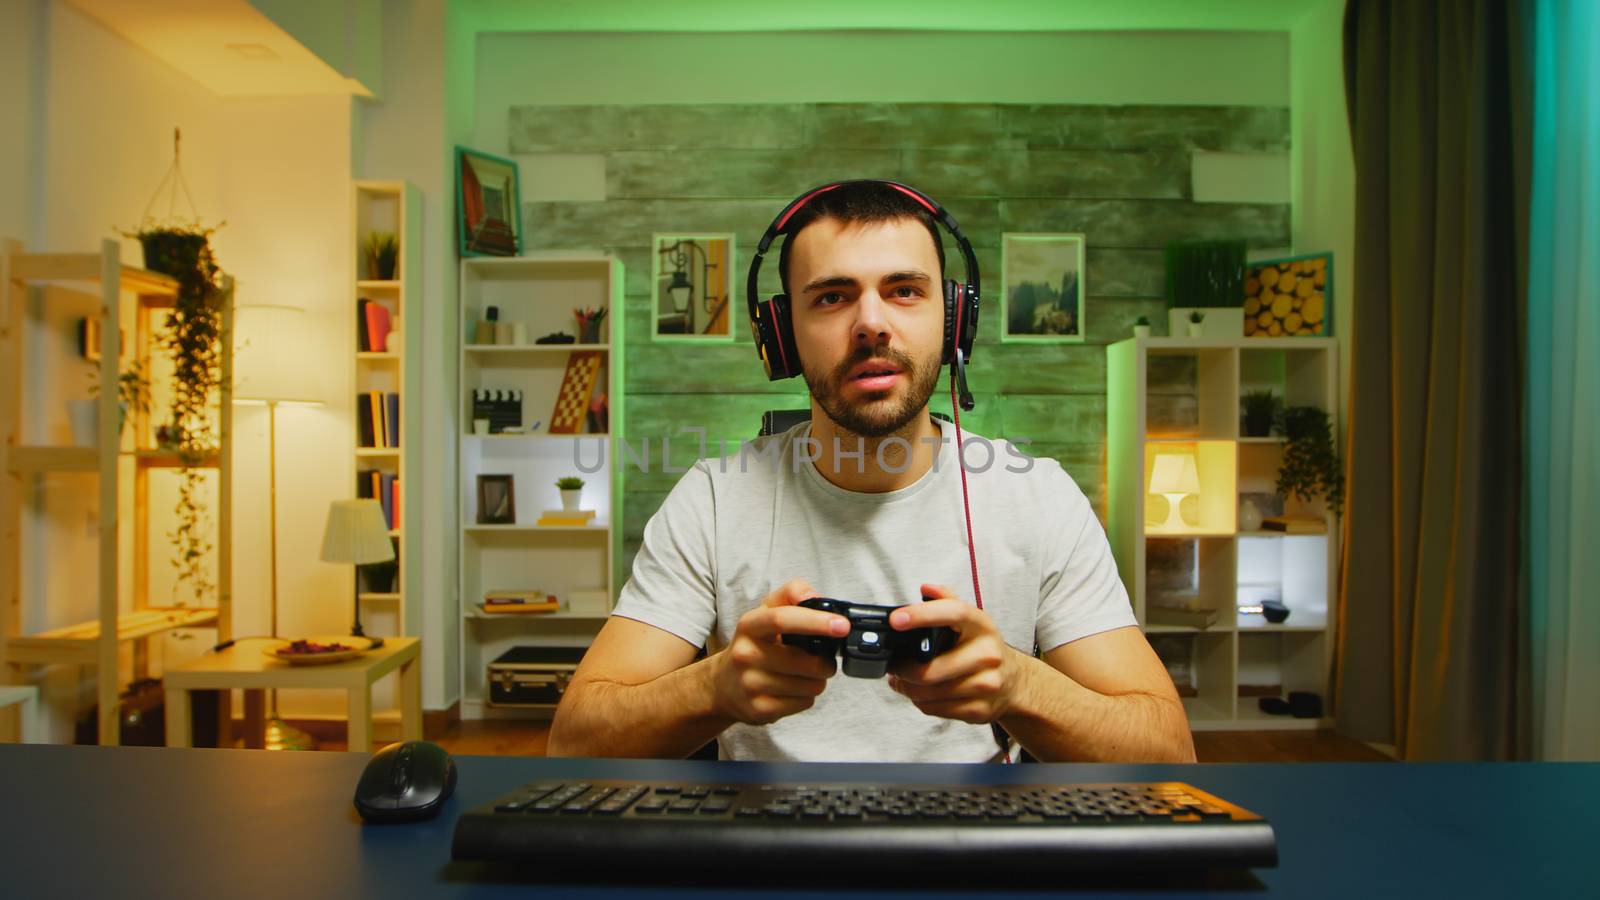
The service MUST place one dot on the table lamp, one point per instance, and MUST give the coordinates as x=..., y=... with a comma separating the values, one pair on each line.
x=1174, y=477
x=357, y=533
x=267, y=371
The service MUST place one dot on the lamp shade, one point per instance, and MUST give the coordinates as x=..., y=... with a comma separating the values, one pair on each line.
x=679, y=290
x=270, y=365
x=356, y=533
x=1175, y=473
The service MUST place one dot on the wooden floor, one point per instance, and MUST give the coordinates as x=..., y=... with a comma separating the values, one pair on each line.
x=529, y=739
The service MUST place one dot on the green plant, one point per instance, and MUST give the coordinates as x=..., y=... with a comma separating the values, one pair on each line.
x=1142, y=320
x=1260, y=412
x=1310, y=462
x=383, y=252
x=192, y=337
x=569, y=483
x=1197, y=317
x=133, y=391
x=1205, y=273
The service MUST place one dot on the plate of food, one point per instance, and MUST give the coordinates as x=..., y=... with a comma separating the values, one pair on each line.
x=317, y=650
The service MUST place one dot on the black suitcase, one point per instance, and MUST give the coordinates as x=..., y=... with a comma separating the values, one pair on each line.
x=532, y=677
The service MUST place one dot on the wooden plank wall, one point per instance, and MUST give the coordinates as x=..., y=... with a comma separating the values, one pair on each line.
x=1119, y=174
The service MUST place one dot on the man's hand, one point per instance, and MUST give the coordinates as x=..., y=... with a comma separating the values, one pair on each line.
x=758, y=679
x=973, y=681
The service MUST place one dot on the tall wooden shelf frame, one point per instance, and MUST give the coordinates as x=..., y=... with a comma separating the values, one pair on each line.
x=394, y=207
x=539, y=290
x=96, y=284
x=1240, y=657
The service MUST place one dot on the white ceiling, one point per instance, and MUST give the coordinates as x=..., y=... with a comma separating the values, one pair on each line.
x=228, y=46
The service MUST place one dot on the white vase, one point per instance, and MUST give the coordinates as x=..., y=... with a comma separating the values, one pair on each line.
x=1141, y=331
x=85, y=418
x=1196, y=329
x=569, y=499
x=1249, y=516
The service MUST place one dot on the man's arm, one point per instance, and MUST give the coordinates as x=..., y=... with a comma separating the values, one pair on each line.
x=1105, y=697
x=638, y=693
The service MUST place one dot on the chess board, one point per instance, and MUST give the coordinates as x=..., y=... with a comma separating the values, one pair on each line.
x=572, y=404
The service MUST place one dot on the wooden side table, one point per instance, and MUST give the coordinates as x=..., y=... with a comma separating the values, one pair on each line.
x=246, y=666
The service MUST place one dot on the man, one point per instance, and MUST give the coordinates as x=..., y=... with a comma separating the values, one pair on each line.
x=865, y=504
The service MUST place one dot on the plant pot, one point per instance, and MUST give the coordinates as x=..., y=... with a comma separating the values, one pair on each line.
x=1141, y=331
x=85, y=418
x=1197, y=329
x=569, y=499
x=1257, y=425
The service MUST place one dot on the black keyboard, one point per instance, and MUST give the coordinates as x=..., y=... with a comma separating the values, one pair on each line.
x=863, y=828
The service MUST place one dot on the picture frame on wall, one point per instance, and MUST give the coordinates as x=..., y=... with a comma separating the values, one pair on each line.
x=692, y=294
x=1289, y=297
x=497, y=500
x=488, y=204
x=1042, y=288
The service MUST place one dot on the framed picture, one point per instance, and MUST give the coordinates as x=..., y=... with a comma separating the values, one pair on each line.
x=1041, y=288
x=497, y=500
x=1290, y=297
x=488, y=204
x=693, y=294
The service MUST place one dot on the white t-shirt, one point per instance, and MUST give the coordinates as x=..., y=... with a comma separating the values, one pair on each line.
x=734, y=529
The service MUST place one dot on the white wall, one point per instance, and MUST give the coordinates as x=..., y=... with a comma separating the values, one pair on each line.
x=1323, y=170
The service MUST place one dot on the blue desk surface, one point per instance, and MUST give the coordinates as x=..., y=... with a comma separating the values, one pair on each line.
x=134, y=822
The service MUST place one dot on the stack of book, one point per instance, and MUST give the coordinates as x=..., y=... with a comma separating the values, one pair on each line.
x=1186, y=617
x=566, y=517
x=496, y=603
x=378, y=415
x=1293, y=524
x=384, y=487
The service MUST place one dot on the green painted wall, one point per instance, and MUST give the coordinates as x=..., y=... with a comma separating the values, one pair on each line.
x=1119, y=174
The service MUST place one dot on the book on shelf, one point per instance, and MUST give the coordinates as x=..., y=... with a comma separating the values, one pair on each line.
x=518, y=601
x=1294, y=524
x=378, y=420
x=375, y=484
x=581, y=514
x=1181, y=616
x=372, y=327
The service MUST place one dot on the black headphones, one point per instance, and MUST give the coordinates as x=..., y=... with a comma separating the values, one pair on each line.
x=771, y=323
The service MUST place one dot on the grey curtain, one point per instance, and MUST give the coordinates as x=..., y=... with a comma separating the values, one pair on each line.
x=1428, y=642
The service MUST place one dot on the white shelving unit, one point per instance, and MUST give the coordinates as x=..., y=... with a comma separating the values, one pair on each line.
x=575, y=563
x=1210, y=563
x=394, y=207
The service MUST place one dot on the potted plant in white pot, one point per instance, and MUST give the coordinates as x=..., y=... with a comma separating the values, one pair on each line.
x=571, y=488
x=1141, y=327
x=1196, y=326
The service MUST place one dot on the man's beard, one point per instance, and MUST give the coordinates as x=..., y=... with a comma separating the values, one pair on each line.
x=881, y=417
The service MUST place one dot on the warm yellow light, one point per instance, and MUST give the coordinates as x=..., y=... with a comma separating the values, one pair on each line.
x=1174, y=476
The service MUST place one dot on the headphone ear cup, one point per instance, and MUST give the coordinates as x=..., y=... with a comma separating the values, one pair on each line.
x=778, y=349
x=952, y=294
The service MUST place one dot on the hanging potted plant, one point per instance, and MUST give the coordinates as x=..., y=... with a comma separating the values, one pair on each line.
x=192, y=338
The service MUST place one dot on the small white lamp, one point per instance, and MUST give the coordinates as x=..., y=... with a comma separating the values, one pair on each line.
x=357, y=533
x=1174, y=477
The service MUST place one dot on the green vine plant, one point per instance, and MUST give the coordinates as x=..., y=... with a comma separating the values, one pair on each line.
x=133, y=392
x=193, y=339
x=1311, y=466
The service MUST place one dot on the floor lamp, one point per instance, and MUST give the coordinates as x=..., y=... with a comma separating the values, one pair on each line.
x=266, y=372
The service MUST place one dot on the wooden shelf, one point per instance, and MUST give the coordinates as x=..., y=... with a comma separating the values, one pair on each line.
x=377, y=451
x=1219, y=627
x=379, y=598
x=378, y=284
x=474, y=613
x=54, y=459
x=168, y=459
x=599, y=528
x=45, y=267
x=78, y=643
x=492, y=349
x=369, y=356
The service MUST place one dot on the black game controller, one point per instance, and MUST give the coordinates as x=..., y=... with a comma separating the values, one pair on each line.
x=871, y=645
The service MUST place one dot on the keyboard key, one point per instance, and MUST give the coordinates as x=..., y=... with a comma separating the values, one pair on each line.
x=726, y=790
x=696, y=792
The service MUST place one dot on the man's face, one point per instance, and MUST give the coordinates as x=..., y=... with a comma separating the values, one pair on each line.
x=868, y=320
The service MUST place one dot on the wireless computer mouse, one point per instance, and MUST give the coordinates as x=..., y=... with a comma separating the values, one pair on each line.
x=405, y=782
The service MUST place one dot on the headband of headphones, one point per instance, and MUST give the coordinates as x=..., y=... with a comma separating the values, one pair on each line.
x=770, y=322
